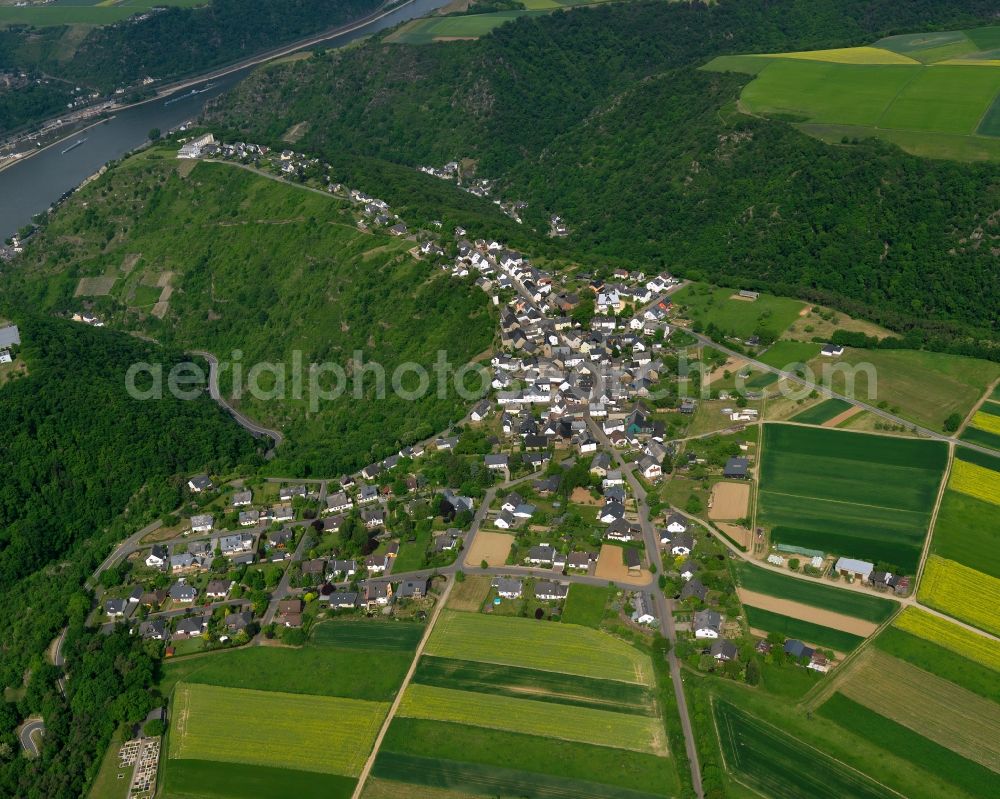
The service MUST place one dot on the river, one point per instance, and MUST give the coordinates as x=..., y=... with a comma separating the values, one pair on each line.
x=33, y=184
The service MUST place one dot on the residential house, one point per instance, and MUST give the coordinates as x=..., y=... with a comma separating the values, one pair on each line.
x=182, y=592
x=218, y=589
x=736, y=469
x=650, y=468
x=157, y=557
x=541, y=555
x=621, y=530
x=581, y=561
x=680, y=544
x=191, y=627
x=341, y=569
x=315, y=568
x=200, y=483
x=242, y=499
x=694, y=589
x=481, y=411
x=550, y=591
x=201, y=523
x=289, y=613
x=373, y=518
x=611, y=512
x=338, y=502
x=116, y=608
x=505, y=520
x=367, y=494
x=238, y=622
x=706, y=624
x=508, y=587
x=643, y=609
x=689, y=569
x=249, y=518
x=632, y=559
x=676, y=524
x=832, y=350
x=723, y=650
x=378, y=593
x=153, y=630
x=412, y=589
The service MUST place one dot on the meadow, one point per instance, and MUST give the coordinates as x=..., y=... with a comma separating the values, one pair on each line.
x=862, y=606
x=310, y=733
x=884, y=733
x=851, y=494
x=961, y=668
x=823, y=412
x=742, y=318
x=585, y=605
x=209, y=779
x=941, y=711
x=964, y=593
x=942, y=97
x=922, y=387
x=88, y=13
x=512, y=641
x=783, y=353
x=389, y=636
x=815, y=634
x=470, y=594
x=570, y=723
x=634, y=771
x=780, y=766
x=323, y=670
x=543, y=686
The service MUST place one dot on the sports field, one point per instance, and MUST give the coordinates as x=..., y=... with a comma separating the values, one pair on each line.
x=849, y=494
x=780, y=766
x=513, y=641
x=567, y=722
x=964, y=593
x=264, y=728
x=947, y=714
x=850, y=603
x=948, y=88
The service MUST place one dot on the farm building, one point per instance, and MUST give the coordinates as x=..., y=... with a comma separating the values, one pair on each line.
x=858, y=569
x=736, y=468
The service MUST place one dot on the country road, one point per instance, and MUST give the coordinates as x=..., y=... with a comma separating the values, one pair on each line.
x=241, y=419
x=29, y=734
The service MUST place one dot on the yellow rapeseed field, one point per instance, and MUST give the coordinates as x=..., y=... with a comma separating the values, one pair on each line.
x=961, y=592
x=986, y=421
x=849, y=55
x=976, y=481
x=950, y=636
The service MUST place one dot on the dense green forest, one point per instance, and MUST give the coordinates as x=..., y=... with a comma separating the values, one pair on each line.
x=600, y=115
x=276, y=273
x=85, y=465
x=171, y=43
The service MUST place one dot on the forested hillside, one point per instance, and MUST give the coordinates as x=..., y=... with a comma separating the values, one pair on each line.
x=170, y=43
x=78, y=452
x=275, y=273
x=600, y=115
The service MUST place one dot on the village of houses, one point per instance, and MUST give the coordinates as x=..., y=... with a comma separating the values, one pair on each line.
x=569, y=403
x=568, y=451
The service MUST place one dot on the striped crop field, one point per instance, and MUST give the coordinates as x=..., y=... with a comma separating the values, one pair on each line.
x=296, y=731
x=961, y=592
x=569, y=723
x=947, y=714
x=513, y=641
x=950, y=636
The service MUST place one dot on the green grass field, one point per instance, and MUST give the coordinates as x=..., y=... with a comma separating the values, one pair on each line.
x=261, y=728
x=412, y=554
x=816, y=634
x=566, y=722
x=209, y=779
x=826, y=410
x=981, y=437
x=784, y=353
x=850, y=603
x=390, y=636
x=780, y=766
x=511, y=641
x=585, y=605
x=634, y=771
x=924, y=387
x=884, y=733
x=934, y=89
x=475, y=779
x=543, y=686
x=319, y=670
x=466, y=26
x=967, y=531
x=942, y=662
x=743, y=318
x=91, y=13
x=849, y=494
